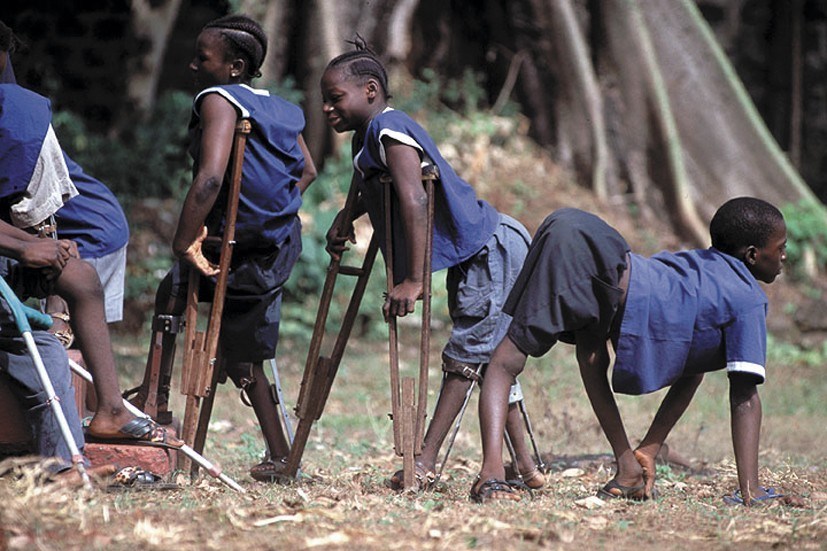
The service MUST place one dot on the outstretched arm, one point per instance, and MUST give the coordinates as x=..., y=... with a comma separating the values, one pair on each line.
x=341, y=230
x=404, y=164
x=745, y=408
x=218, y=119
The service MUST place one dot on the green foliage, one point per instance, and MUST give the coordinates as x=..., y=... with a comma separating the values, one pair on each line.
x=149, y=159
x=806, y=230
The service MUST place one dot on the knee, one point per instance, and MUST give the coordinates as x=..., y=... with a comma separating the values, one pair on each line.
x=79, y=281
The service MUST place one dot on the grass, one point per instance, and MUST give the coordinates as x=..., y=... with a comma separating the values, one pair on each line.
x=343, y=502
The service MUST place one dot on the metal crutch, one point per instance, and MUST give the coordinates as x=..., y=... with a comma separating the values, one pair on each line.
x=213, y=469
x=288, y=425
x=22, y=315
x=457, y=423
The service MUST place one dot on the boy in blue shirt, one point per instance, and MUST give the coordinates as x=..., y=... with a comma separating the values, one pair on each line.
x=670, y=318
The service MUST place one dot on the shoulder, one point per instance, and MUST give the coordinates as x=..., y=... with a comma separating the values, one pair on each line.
x=15, y=98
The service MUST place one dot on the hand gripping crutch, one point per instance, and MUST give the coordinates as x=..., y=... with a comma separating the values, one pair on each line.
x=211, y=468
x=22, y=316
x=408, y=411
x=200, y=374
x=320, y=371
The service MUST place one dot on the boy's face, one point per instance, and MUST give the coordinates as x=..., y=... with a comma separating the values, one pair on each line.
x=346, y=104
x=765, y=262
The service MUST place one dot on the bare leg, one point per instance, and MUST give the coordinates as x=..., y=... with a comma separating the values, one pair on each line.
x=447, y=408
x=506, y=363
x=79, y=285
x=526, y=464
x=260, y=394
x=593, y=358
x=671, y=409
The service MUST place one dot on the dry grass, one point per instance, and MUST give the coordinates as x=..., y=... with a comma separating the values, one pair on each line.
x=343, y=502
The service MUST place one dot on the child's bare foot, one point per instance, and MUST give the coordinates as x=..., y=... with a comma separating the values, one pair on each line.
x=646, y=457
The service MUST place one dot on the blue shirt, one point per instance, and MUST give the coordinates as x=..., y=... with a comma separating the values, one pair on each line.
x=273, y=164
x=24, y=120
x=688, y=313
x=94, y=218
x=462, y=223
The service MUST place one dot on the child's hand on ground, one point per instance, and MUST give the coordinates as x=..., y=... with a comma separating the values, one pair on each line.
x=402, y=299
x=195, y=256
x=338, y=237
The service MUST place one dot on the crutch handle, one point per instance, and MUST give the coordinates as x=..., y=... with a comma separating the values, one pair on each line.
x=23, y=315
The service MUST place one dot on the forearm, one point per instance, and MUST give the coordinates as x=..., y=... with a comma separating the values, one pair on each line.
x=197, y=205
x=745, y=408
x=414, y=215
x=309, y=172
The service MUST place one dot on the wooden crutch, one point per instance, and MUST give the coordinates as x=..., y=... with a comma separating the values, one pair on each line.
x=320, y=371
x=408, y=413
x=199, y=375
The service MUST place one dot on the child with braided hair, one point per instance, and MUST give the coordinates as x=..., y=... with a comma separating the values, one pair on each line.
x=482, y=249
x=277, y=168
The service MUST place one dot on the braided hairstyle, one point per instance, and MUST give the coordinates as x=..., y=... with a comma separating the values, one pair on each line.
x=8, y=41
x=244, y=39
x=742, y=222
x=361, y=64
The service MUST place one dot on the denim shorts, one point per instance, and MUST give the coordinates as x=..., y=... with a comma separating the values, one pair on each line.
x=477, y=289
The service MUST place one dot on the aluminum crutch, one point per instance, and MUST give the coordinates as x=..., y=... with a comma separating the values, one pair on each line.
x=22, y=315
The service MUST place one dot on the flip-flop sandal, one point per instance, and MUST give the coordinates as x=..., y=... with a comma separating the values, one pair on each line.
x=615, y=490
x=141, y=431
x=735, y=498
x=65, y=336
x=136, y=478
x=425, y=479
x=487, y=491
x=270, y=470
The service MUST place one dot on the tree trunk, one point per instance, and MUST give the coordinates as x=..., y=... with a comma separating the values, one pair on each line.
x=152, y=22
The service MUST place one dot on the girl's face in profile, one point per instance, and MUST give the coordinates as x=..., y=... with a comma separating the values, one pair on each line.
x=209, y=66
x=347, y=105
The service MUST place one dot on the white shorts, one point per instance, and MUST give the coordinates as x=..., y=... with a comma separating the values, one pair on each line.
x=111, y=271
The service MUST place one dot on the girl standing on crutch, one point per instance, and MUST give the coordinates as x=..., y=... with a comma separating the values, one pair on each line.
x=482, y=249
x=277, y=168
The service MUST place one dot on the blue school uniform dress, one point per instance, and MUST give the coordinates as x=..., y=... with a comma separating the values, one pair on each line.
x=94, y=219
x=462, y=223
x=25, y=118
x=688, y=313
x=481, y=248
x=268, y=231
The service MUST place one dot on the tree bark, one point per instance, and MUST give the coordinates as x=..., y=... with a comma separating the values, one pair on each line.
x=152, y=22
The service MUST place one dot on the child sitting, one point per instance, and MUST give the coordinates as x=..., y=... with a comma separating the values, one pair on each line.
x=481, y=248
x=670, y=318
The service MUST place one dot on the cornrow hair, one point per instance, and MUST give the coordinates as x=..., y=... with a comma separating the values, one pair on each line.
x=245, y=38
x=361, y=63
